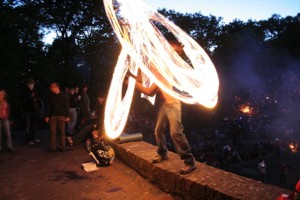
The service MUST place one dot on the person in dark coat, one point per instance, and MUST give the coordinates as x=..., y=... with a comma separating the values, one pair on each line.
x=28, y=111
x=57, y=115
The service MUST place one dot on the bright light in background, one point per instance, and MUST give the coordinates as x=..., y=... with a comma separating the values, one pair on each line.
x=144, y=47
x=49, y=37
x=232, y=9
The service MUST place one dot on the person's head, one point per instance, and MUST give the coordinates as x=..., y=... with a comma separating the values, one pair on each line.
x=97, y=135
x=76, y=89
x=54, y=87
x=30, y=83
x=100, y=98
x=71, y=91
x=66, y=90
x=2, y=95
x=84, y=88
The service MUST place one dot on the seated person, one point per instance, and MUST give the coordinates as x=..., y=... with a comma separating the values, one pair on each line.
x=84, y=133
x=89, y=125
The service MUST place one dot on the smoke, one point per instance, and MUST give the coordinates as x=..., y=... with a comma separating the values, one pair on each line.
x=287, y=94
x=268, y=78
x=245, y=74
x=245, y=63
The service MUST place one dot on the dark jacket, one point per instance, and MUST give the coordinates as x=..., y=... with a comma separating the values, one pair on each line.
x=73, y=101
x=27, y=100
x=58, y=105
x=85, y=106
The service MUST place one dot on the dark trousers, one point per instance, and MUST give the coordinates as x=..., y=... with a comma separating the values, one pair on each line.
x=83, y=134
x=60, y=123
x=30, y=126
x=171, y=114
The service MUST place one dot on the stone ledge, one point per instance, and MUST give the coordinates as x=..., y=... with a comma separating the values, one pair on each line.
x=205, y=182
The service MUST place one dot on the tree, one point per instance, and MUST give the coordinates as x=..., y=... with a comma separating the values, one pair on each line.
x=20, y=43
x=65, y=18
x=201, y=28
x=97, y=43
x=21, y=48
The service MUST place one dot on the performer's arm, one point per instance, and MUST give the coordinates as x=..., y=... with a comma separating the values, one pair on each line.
x=151, y=91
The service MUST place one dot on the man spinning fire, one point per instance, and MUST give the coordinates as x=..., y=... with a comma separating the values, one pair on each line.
x=169, y=113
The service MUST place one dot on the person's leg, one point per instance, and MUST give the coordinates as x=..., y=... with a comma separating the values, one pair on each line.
x=159, y=132
x=53, y=127
x=83, y=134
x=27, y=127
x=181, y=144
x=62, y=128
x=33, y=128
x=284, y=179
x=6, y=128
x=70, y=125
x=73, y=120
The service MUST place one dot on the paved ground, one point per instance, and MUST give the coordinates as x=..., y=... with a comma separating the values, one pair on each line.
x=33, y=173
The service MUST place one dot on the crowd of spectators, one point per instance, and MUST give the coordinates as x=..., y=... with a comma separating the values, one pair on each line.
x=67, y=110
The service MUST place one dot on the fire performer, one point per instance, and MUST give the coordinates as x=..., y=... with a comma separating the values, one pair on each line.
x=169, y=112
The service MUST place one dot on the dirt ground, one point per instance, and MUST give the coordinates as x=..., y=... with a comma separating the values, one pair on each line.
x=34, y=173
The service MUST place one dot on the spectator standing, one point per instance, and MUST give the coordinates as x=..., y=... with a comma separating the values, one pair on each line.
x=57, y=115
x=235, y=159
x=73, y=101
x=78, y=98
x=29, y=112
x=85, y=104
x=283, y=170
x=4, y=122
x=99, y=110
x=227, y=150
x=262, y=170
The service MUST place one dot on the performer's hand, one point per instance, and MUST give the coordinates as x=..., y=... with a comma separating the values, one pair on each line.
x=129, y=74
x=67, y=119
x=138, y=78
x=47, y=119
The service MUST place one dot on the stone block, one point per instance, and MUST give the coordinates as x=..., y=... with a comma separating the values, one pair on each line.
x=205, y=182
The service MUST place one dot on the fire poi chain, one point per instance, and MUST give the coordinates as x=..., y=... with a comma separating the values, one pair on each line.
x=144, y=47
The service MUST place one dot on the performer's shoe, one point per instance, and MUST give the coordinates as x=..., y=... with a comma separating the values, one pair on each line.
x=187, y=169
x=159, y=158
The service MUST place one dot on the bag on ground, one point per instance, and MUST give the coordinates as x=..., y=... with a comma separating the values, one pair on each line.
x=102, y=154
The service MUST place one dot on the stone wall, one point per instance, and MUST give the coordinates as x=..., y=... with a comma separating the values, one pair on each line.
x=205, y=182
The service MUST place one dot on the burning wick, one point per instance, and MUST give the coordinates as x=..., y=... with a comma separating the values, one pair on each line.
x=144, y=47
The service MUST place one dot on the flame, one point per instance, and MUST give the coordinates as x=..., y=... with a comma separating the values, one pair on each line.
x=293, y=147
x=144, y=47
x=246, y=109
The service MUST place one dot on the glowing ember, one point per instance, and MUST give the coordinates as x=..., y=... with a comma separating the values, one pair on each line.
x=293, y=147
x=144, y=47
x=246, y=109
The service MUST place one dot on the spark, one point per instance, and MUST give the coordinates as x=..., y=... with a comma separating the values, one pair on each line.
x=293, y=147
x=144, y=47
